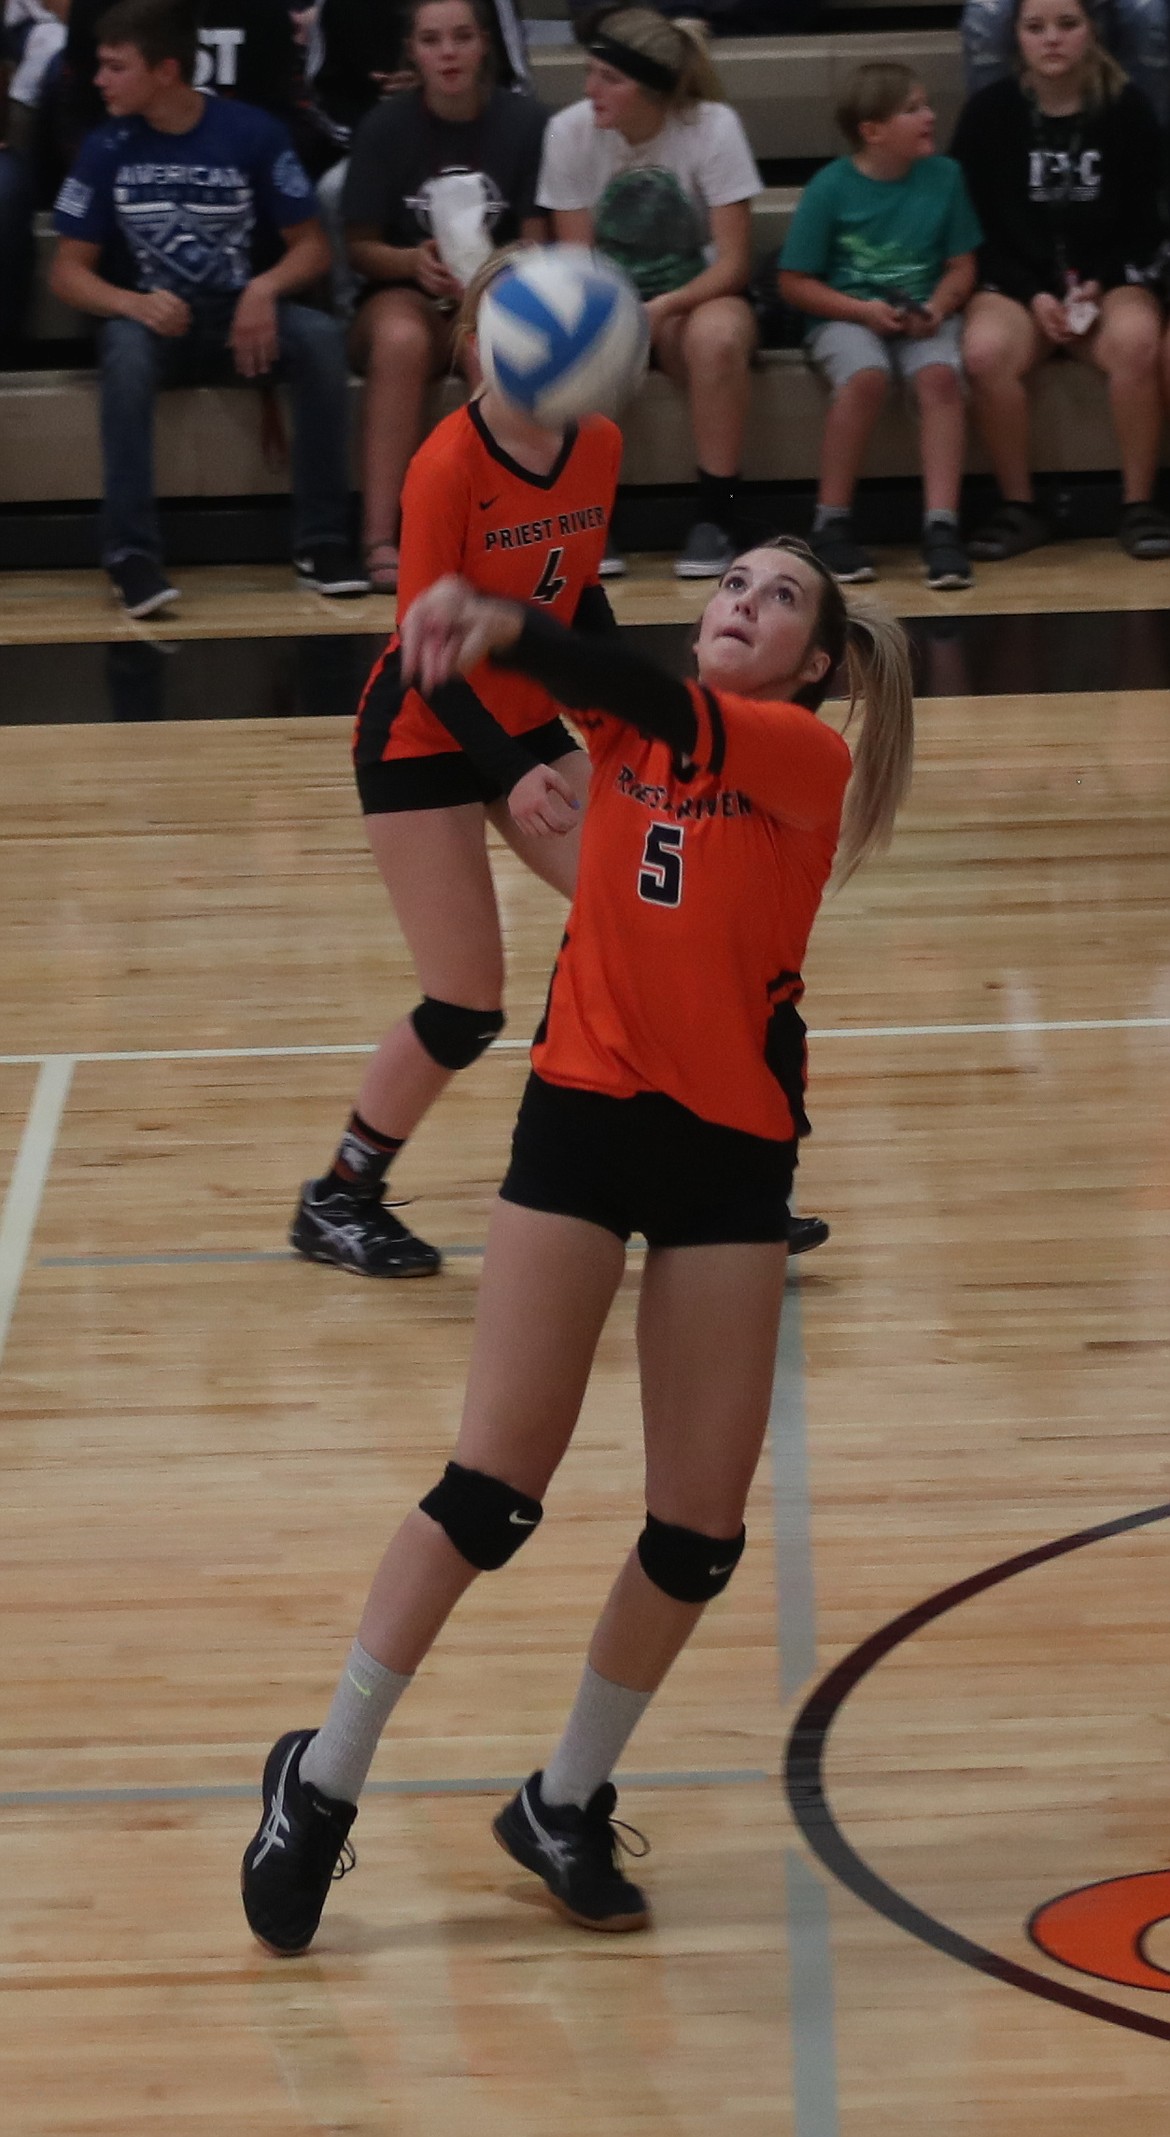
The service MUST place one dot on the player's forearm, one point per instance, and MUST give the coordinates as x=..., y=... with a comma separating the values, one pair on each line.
x=604, y=674
x=490, y=747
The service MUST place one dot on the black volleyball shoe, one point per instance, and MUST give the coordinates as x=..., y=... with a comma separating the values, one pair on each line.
x=577, y=1853
x=804, y=1233
x=356, y=1232
x=302, y=1845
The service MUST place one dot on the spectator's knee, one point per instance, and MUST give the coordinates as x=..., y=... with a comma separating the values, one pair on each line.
x=937, y=386
x=1128, y=350
x=400, y=338
x=127, y=350
x=310, y=336
x=717, y=338
x=988, y=355
x=864, y=389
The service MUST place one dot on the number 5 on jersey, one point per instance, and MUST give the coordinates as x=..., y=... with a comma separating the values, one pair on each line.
x=660, y=875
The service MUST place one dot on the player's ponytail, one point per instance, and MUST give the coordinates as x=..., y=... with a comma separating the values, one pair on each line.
x=877, y=668
x=869, y=651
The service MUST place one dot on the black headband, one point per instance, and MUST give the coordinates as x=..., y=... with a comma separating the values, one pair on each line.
x=651, y=73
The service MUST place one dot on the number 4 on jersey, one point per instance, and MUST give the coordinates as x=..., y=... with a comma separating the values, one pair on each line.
x=550, y=582
x=660, y=876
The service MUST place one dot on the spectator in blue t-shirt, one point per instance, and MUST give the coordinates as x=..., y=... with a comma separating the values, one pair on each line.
x=881, y=255
x=157, y=222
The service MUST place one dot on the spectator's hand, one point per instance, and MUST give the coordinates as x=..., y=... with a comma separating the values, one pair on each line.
x=255, y=335
x=433, y=278
x=390, y=84
x=543, y=802
x=658, y=309
x=925, y=321
x=1048, y=312
x=163, y=313
x=884, y=319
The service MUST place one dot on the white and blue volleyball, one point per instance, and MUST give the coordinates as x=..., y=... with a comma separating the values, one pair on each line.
x=562, y=333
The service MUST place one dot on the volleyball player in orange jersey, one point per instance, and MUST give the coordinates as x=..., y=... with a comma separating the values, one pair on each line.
x=521, y=511
x=667, y=1097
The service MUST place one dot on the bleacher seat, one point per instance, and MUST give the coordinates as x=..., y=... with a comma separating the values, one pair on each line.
x=208, y=438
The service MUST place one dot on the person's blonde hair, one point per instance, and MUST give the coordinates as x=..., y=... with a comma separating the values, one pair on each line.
x=1103, y=77
x=469, y=303
x=680, y=46
x=868, y=646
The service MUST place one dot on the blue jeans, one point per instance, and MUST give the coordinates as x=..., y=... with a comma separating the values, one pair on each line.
x=1137, y=32
x=135, y=362
x=16, y=243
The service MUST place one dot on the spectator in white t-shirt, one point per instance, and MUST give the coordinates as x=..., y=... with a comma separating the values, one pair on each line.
x=654, y=168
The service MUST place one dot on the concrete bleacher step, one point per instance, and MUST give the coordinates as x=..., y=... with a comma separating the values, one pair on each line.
x=785, y=88
x=208, y=439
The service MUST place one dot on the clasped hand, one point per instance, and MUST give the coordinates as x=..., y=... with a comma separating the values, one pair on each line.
x=448, y=630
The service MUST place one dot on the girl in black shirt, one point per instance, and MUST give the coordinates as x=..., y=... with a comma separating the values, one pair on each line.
x=1064, y=167
x=402, y=333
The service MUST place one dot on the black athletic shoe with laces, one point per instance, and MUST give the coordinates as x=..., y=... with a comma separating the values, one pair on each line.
x=805, y=1233
x=301, y=1847
x=576, y=1852
x=356, y=1232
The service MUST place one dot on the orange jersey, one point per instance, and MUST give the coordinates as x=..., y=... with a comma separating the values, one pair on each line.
x=680, y=968
x=468, y=507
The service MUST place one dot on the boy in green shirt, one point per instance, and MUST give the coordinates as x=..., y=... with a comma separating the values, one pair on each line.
x=881, y=253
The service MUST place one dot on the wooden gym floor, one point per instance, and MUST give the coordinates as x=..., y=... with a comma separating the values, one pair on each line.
x=203, y=1444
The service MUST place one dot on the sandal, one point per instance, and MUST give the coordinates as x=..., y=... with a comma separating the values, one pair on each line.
x=1010, y=532
x=1144, y=531
x=382, y=567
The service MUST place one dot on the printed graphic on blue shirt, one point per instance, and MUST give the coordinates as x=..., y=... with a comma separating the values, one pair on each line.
x=185, y=206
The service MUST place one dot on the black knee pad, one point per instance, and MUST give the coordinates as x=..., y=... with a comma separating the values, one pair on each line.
x=685, y=1565
x=485, y=1520
x=455, y=1037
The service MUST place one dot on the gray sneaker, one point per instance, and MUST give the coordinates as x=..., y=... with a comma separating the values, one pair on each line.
x=708, y=553
x=838, y=549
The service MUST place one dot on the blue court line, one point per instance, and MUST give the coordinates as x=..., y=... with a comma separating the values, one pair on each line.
x=811, y=2016
x=791, y=1513
x=811, y=2019
x=492, y=1784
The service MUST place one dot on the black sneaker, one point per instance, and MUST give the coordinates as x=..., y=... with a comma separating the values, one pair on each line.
x=804, y=1233
x=141, y=585
x=708, y=553
x=944, y=559
x=613, y=564
x=841, y=553
x=334, y=568
x=576, y=1853
x=356, y=1232
x=301, y=1846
